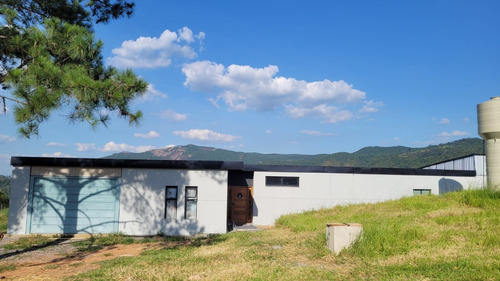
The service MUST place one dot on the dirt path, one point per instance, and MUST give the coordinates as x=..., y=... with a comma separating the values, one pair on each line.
x=59, y=261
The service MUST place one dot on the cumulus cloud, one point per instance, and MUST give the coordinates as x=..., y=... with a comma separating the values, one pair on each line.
x=172, y=115
x=205, y=135
x=85, y=146
x=242, y=87
x=118, y=147
x=113, y=147
x=269, y=132
x=455, y=133
x=150, y=135
x=329, y=114
x=6, y=138
x=154, y=52
x=315, y=133
x=55, y=144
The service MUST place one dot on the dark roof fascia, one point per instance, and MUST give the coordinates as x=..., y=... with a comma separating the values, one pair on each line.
x=125, y=163
x=357, y=170
x=466, y=156
x=222, y=165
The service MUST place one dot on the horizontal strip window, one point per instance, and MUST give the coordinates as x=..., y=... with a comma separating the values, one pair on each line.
x=282, y=181
x=421, y=191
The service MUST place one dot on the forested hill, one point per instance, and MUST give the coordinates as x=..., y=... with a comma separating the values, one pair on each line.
x=373, y=156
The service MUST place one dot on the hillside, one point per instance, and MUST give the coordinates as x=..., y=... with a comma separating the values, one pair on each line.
x=374, y=156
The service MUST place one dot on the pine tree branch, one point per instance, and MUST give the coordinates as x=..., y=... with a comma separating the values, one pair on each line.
x=11, y=99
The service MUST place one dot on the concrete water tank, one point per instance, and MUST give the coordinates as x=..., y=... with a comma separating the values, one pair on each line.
x=488, y=118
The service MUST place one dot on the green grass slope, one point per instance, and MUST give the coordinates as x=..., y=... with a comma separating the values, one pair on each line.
x=450, y=237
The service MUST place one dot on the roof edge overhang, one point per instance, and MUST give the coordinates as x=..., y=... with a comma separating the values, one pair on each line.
x=223, y=165
x=358, y=170
x=125, y=163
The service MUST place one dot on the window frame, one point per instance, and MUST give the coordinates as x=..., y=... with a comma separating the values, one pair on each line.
x=283, y=181
x=171, y=199
x=191, y=200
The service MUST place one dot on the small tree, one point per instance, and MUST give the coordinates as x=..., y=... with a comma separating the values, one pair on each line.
x=50, y=60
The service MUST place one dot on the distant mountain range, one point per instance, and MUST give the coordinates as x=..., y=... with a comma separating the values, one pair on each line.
x=372, y=156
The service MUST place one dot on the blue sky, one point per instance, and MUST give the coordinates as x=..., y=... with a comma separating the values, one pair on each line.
x=304, y=77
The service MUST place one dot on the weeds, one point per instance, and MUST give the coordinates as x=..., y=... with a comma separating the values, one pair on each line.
x=29, y=241
x=450, y=237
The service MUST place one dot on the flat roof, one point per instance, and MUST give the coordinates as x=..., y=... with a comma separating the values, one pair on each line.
x=358, y=170
x=125, y=163
x=223, y=165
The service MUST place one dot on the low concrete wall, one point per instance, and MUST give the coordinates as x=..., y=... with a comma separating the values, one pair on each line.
x=341, y=235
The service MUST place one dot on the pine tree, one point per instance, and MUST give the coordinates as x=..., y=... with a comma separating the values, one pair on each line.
x=50, y=61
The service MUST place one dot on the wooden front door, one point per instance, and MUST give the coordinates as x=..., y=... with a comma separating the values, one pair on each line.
x=241, y=205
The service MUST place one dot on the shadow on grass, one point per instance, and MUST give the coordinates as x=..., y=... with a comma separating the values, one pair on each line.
x=176, y=242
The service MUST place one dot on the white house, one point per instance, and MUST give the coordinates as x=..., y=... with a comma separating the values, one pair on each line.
x=148, y=197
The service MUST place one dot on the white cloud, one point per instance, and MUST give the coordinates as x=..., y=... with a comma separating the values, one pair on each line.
x=315, y=133
x=6, y=138
x=56, y=144
x=150, y=135
x=154, y=52
x=242, y=87
x=113, y=147
x=152, y=94
x=85, y=146
x=56, y=154
x=444, y=121
x=118, y=147
x=455, y=133
x=371, y=106
x=143, y=148
x=205, y=135
x=172, y=115
x=269, y=132
x=329, y=114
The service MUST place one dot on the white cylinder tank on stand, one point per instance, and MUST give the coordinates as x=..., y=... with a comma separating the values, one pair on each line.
x=488, y=119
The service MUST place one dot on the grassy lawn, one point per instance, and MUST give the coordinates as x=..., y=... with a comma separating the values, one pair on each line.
x=451, y=237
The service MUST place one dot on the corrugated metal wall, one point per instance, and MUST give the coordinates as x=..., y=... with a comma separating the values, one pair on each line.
x=470, y=163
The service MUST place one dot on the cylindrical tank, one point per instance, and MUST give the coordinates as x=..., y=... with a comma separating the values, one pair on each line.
x=488, y=118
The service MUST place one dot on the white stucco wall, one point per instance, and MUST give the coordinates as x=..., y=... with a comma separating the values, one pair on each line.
x=142, y=201
x=324, y=190
x=18, y=204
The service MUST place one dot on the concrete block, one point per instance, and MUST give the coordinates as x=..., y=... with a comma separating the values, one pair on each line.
x=341, y=235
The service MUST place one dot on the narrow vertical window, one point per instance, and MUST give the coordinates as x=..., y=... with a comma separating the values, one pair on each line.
x=171, y=202
x=191, y=202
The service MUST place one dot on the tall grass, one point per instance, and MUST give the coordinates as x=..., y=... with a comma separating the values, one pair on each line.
x=450, y=237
